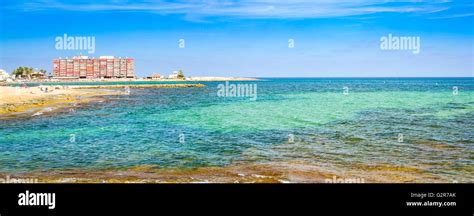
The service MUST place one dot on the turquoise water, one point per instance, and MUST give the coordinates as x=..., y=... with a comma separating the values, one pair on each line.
x=100, y=83
x=361, y=127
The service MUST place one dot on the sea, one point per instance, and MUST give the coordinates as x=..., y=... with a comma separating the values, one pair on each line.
x=337, y=123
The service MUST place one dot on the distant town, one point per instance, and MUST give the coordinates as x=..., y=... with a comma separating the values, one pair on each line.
x=82, y=67
x=93, y=68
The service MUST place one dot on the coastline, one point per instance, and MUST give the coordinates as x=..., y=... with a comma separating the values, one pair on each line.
x=275, y=172
x=122, y=86
x=210, y=79
x=19, y=100
x=108, y=80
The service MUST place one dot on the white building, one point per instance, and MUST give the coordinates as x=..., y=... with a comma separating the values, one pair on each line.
x=157, y=76
x=174, y=75
x=4, y=75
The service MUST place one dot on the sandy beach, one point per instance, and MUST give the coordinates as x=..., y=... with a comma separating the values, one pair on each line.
x=20, y=95
x=18, y=100
x=15, y=100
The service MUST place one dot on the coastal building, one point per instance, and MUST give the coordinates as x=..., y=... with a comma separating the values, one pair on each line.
x=90, y=68
x=174, y=75
x=38, y=75
x=3, y=75
x=156, y=76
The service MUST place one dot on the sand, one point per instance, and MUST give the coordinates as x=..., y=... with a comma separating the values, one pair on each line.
x=15, y=100
x=18, y=95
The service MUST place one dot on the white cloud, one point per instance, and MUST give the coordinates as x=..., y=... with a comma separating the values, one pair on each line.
x=249, y=8
x=454, y=16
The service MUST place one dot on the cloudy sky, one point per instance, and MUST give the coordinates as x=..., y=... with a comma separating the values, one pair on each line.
x=248, y=38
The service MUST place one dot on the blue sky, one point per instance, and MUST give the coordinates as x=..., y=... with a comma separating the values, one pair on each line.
x=248, y=38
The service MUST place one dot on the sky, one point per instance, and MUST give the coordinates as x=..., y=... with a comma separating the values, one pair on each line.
x=247, y=38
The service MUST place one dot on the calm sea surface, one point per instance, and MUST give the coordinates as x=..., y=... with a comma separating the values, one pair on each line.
x=416, y=122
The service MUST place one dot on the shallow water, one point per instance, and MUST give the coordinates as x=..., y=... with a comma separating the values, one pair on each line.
x=309, y=120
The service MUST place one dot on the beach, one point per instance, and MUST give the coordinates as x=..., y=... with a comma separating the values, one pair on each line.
x=18, y=100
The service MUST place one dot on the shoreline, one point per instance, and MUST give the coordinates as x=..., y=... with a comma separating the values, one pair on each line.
x=275, y=172
x=16, y=101
x=108, y=80
x=122, y=86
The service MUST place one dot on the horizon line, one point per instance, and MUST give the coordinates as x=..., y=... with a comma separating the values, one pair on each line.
x=371, y=77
